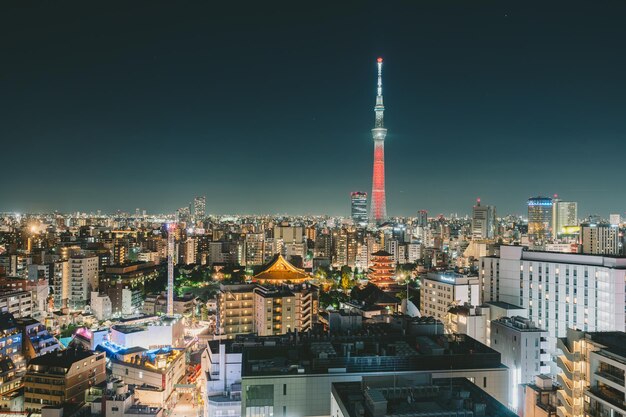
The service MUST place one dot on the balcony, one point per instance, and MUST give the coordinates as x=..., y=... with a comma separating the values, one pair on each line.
x=571, y=356
x=564, y=399
x=566, y=385
x=562, y=412
x=611, y=378
x=566, y=368
x=609, y=395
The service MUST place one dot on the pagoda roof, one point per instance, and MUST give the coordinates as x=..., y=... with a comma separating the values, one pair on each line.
x=280, y=270
x=381, y=253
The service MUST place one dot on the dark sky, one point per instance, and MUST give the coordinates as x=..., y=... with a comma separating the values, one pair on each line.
x=267, y=107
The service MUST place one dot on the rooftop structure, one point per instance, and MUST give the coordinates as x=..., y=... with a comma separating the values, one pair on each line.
x=280, y=271
x=429, y=397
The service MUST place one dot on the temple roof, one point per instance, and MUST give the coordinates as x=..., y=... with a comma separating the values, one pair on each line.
x=381, y=253
x=281, y=270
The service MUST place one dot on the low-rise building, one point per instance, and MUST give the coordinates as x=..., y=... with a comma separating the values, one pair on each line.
x=539, y=398
x=62, y=377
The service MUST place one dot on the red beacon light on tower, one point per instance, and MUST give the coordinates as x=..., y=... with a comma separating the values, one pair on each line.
x=380, y=60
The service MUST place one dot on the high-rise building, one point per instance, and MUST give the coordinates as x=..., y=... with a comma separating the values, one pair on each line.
x=564, y=213
x=615, y=219
x=483, y=221
x=422, y=218
x=523, y=348
x=199, y=207
x=378, y=209
x=83, y=278
x=600, y=239
x=559, y=290
x=539, y=219
x=591, y=374
x=282, y=309
x=358, y=207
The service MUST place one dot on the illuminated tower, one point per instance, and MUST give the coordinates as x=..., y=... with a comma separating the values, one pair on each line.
x=378, y=209
x=170, y=268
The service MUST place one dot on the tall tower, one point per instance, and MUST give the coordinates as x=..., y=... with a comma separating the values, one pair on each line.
x=378, y=209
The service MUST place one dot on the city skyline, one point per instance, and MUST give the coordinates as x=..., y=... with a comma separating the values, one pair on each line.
x=122, y=118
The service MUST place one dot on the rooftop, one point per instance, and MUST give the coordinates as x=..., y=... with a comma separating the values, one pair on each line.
x=440, y=397
x=373, y=350
x=61, y=358
x=279, y=270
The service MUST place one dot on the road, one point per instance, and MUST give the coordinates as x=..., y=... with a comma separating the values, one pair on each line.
x=185, y=407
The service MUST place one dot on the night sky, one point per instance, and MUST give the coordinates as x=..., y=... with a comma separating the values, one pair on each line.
x=267, y=107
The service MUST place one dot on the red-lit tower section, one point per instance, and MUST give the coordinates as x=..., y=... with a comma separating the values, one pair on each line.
x=378, y=208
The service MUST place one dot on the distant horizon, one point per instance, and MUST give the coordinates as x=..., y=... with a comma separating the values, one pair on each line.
x=273, y=109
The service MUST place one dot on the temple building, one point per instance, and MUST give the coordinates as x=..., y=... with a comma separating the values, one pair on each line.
x=383, y=270
x=280, y=271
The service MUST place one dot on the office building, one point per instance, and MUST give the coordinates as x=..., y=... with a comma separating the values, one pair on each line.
x=524, y=350
x=559, y=290
x=615, y=219
x=539, y=220
x=483, y=221
x=294, y=378
x=443, y=290
x=564, y=214
x=358, y=208
x=62, y=377
x=591, y=374
x=600, y=239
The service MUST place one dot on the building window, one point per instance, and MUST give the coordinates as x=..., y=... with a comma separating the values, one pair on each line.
x=284, y=389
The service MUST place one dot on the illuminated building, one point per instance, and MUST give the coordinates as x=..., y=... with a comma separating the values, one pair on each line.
x=559, y=290
x=60, y=283
x=282, y=309
x=12, y=363
x=62, y=377
x=19, y=303
x=190, y=247
x=591, y=374
x=156, y=333
x=442, y=290
x=564, y=213
x=539, y=219
x=235, y=310
x=83, y=277
x=280, y=271
x=483, y=221
x=422, y=218
x=539, y=398
x=524, y=350
x=289, y=234
x=254, y=249
x=378, y=209
x=101, y=305
x=383, y=269
x=157, y=370
x=358, y=207
x=600, y=239
x=199, y=207
x=37, y=340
